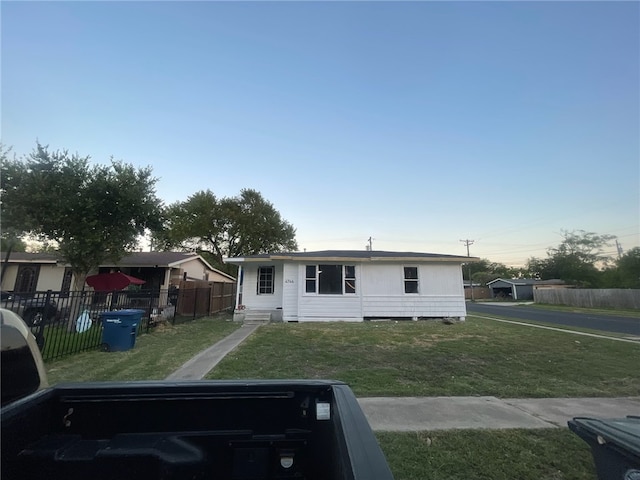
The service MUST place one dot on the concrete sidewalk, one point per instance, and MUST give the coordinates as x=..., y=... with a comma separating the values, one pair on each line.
x=403, y=414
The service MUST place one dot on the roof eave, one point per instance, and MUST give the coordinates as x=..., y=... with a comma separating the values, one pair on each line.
x=399, y=259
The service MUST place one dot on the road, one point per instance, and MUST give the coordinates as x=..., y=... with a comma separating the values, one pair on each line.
x=605, y=323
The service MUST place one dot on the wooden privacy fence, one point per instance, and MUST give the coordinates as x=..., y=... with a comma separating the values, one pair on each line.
x=199, y=298
x=589, y=298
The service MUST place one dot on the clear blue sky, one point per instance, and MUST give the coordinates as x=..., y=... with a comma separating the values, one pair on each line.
x=418, y=124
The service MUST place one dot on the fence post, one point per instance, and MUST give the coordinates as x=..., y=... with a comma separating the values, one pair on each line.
x=44, y=317
x=195, y=303
x=113, y=296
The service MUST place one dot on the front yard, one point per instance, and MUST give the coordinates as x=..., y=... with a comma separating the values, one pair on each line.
x=154, y=357
x=478, y=357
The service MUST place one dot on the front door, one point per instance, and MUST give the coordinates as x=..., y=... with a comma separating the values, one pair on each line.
x=27, y=279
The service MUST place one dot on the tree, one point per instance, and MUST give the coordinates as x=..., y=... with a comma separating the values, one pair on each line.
x=626, y=273
x=93, y=213
x=226, y=227
x=578, y=259
x=485, y=271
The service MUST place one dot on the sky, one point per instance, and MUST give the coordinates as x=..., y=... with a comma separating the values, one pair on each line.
x=416, y=124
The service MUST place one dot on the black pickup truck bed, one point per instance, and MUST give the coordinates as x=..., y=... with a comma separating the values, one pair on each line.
x=196, y=430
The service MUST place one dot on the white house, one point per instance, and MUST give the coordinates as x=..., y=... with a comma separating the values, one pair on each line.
x=349, y=286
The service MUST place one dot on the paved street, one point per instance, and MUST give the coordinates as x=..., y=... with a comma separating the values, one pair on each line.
x=605, y=323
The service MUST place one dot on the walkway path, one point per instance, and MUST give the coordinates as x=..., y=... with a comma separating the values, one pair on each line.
x=203, y=362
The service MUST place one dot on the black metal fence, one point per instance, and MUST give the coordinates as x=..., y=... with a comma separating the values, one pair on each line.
x=71, y=322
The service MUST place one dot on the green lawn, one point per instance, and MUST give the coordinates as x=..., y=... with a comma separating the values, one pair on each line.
x=427, y=358
x=549, y=454
x=409, y=358
x=155, y=355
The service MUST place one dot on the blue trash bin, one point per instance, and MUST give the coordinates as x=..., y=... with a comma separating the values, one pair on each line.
x=119, y=329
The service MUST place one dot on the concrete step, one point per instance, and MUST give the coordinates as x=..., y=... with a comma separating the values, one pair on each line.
x=256, y=318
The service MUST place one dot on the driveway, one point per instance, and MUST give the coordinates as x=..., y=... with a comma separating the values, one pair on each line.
x=605, y=323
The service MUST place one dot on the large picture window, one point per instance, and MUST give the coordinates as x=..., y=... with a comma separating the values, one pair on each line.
x=330, y=279
x=410, y=279
x=265, y=280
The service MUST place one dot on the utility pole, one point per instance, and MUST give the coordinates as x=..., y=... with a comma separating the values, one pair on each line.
x=468, y=243
x=370, y=244
x=619, y=247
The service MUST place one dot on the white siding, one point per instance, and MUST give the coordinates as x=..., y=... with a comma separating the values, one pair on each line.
x=330, y=308
x=250, y=297
x=379, y=293
x=291, y=290
x=440, y=287
x=314, y=307
x=9, y=280
x=197, y=270
x=50, y=278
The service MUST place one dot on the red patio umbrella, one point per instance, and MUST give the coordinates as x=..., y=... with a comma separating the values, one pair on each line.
x=106, y=282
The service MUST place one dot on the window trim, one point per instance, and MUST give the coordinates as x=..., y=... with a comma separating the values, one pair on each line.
x=408, y=280
x=271, y=280
x=343, y=280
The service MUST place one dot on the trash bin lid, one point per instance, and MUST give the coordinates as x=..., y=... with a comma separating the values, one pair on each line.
x=125, y=312
x=624, y=432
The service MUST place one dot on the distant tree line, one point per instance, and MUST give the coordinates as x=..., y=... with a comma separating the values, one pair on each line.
x=89, y=213
x=578, y=260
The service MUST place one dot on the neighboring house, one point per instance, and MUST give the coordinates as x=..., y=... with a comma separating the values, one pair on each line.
x=516, y=289
x=552, y=284
x=31, y=272
x=349, y=285
x=164, y=269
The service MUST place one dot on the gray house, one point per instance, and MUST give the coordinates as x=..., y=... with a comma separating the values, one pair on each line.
x=516, y=289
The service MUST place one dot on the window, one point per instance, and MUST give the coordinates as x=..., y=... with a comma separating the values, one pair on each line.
x=310, y=279
x=66, y=282
x=265, y=280
x=330, y=279
x=349, y=279
x=410, y=279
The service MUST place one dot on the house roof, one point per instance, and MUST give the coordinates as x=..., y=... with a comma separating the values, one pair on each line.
x=353, y=255
x=134, y=259
x=515, y=281
x=27, y=257
x=152, y=259
x=162, y=259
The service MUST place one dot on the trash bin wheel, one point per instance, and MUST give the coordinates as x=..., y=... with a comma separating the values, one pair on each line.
x=105, y=347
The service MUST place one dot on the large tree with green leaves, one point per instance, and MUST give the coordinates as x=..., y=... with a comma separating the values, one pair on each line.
x=626, y=271
x=92, y=212
x=226, y=227
x=579, y=259
x=485, y=271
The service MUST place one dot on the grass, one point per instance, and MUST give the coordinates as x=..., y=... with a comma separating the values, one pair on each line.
x=154, y=357
x=60, y=342
x=409, y=358
x=549, y=454
x=478, y=357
